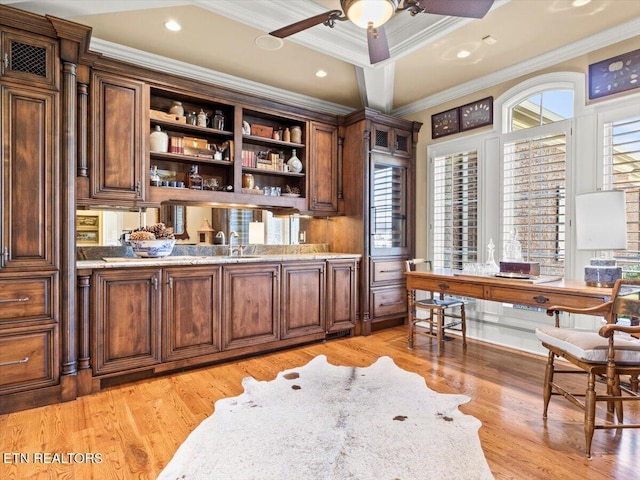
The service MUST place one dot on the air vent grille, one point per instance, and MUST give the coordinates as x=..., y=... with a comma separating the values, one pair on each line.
x=29, y=59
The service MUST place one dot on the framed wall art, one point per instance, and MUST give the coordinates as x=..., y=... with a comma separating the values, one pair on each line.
x=614, y=75
x=88, y=229
x=476, y=114
x=445, y=123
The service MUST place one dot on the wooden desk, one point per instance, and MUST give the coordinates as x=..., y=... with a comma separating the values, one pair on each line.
x=572, y=293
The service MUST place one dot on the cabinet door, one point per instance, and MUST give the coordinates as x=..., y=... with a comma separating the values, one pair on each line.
x=387, y=139
x=303, y=299
x=389, y=206
x=250, y=305
x=27, y=176
x=126, y=309
x=323, y=166
x=118, y=142
x=28, y=58
x=191, y=314
x=402, y=143
x=341, y=295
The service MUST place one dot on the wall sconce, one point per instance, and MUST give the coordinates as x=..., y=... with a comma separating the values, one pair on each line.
x=601, y=224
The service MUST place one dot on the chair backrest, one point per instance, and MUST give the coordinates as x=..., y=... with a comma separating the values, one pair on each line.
x=626, y=300
x=418, y=265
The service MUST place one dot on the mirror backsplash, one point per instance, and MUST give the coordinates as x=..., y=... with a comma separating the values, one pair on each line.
x=197, y=226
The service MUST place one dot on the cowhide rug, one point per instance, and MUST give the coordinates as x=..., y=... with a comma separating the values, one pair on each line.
x=321, y=422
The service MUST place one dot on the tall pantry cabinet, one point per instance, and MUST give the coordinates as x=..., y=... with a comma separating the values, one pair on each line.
x=36, y=270
x=379, y=210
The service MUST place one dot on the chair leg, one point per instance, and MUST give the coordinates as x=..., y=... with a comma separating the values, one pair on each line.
x=439, y=331
x=548, y=379
x=590, y=412
x=411, y=319
x=463, y=319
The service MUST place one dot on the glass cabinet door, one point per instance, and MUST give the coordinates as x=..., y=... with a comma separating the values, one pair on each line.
x=389, y=208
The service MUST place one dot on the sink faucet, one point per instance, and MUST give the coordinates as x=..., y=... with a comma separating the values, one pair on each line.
x=238, y=248
x=220, y=234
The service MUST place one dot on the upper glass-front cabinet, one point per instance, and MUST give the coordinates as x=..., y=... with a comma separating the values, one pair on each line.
x=389, y=227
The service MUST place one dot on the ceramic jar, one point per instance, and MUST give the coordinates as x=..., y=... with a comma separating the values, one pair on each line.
x=159, y=140
x=296, y=134
x=203, y=119
x=248, y=181
x=176, y=108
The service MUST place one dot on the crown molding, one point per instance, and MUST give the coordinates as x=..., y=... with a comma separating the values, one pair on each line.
x=600, y=40
x=176, y=67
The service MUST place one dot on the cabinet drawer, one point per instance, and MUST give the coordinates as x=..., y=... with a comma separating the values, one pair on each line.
x=388, y=301
x=27, y=359
x=534, y=299
x=26, y=298
x=385, y=270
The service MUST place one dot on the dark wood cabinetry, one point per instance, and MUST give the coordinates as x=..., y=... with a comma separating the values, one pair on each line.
x=126, y=312
x=250, y=305
x=342, y=290
x=302, y=308
x=323, y=169
x=30, y=263
x=118, y=143
x=191, y=312
x=379, y=204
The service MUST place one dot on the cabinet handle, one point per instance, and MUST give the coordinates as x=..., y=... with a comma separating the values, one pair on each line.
x=138, y=188
x=12, y=300
x=443, y=286
x=170, y=282
x=541, y=299
x=154, y=281
x=14, y=362
x=5, y=254
x=392, y=271
x=392, y=303
x=6, y=60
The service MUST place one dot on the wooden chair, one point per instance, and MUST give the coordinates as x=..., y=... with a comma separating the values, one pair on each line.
x=439, y=319
x=612, y=352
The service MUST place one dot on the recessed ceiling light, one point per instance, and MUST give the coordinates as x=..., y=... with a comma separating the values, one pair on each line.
x=172, y=25
x=580, y=3
x=321, y=74
x=267, y=42
x=463, y=54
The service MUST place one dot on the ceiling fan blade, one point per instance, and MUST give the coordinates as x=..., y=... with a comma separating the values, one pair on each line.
x=307, y=23
x=378, y=46
x=457, y=8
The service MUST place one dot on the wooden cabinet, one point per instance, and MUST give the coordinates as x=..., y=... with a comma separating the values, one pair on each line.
x=28, y=174
x=302, y=307
x=342, y=283
x=388, y=139
x=28, y=359
x=250, y=304
x=118, y=143
x=323, y=169
x=126, y=312
x=191, y=312
x=27, y=58
x=379, y=207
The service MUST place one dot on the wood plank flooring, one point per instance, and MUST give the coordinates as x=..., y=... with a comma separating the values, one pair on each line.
x=136, y=428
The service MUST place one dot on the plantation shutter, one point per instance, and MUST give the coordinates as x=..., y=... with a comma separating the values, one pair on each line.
x=455, y=227
x=534, y=198
x=622, y=172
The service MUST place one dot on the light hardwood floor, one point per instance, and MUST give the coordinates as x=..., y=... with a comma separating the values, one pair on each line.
x=137, y=427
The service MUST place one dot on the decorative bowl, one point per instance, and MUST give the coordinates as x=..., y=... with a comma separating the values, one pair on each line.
x=152, y=248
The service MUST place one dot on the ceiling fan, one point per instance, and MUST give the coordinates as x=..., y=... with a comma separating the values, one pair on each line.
x=372, y=14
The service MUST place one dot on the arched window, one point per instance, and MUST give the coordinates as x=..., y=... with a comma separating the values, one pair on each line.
x=541, y=108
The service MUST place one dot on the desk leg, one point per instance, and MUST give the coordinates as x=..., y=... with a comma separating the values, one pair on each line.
x=411, y=298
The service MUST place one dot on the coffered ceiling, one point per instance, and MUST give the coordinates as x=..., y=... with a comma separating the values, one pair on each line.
x=219, y=42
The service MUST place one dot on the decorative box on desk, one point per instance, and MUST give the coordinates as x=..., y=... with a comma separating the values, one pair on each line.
x=525, y=268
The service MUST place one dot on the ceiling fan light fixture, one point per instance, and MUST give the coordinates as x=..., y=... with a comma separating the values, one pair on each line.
x=365, y=13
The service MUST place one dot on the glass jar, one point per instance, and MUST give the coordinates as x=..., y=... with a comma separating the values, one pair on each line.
x=218, y=120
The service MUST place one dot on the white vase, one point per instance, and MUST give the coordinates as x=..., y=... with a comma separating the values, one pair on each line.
x=159, y=140
x=295, y=165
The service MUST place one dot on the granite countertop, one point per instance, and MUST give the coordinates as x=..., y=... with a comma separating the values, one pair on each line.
x=176, y=260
